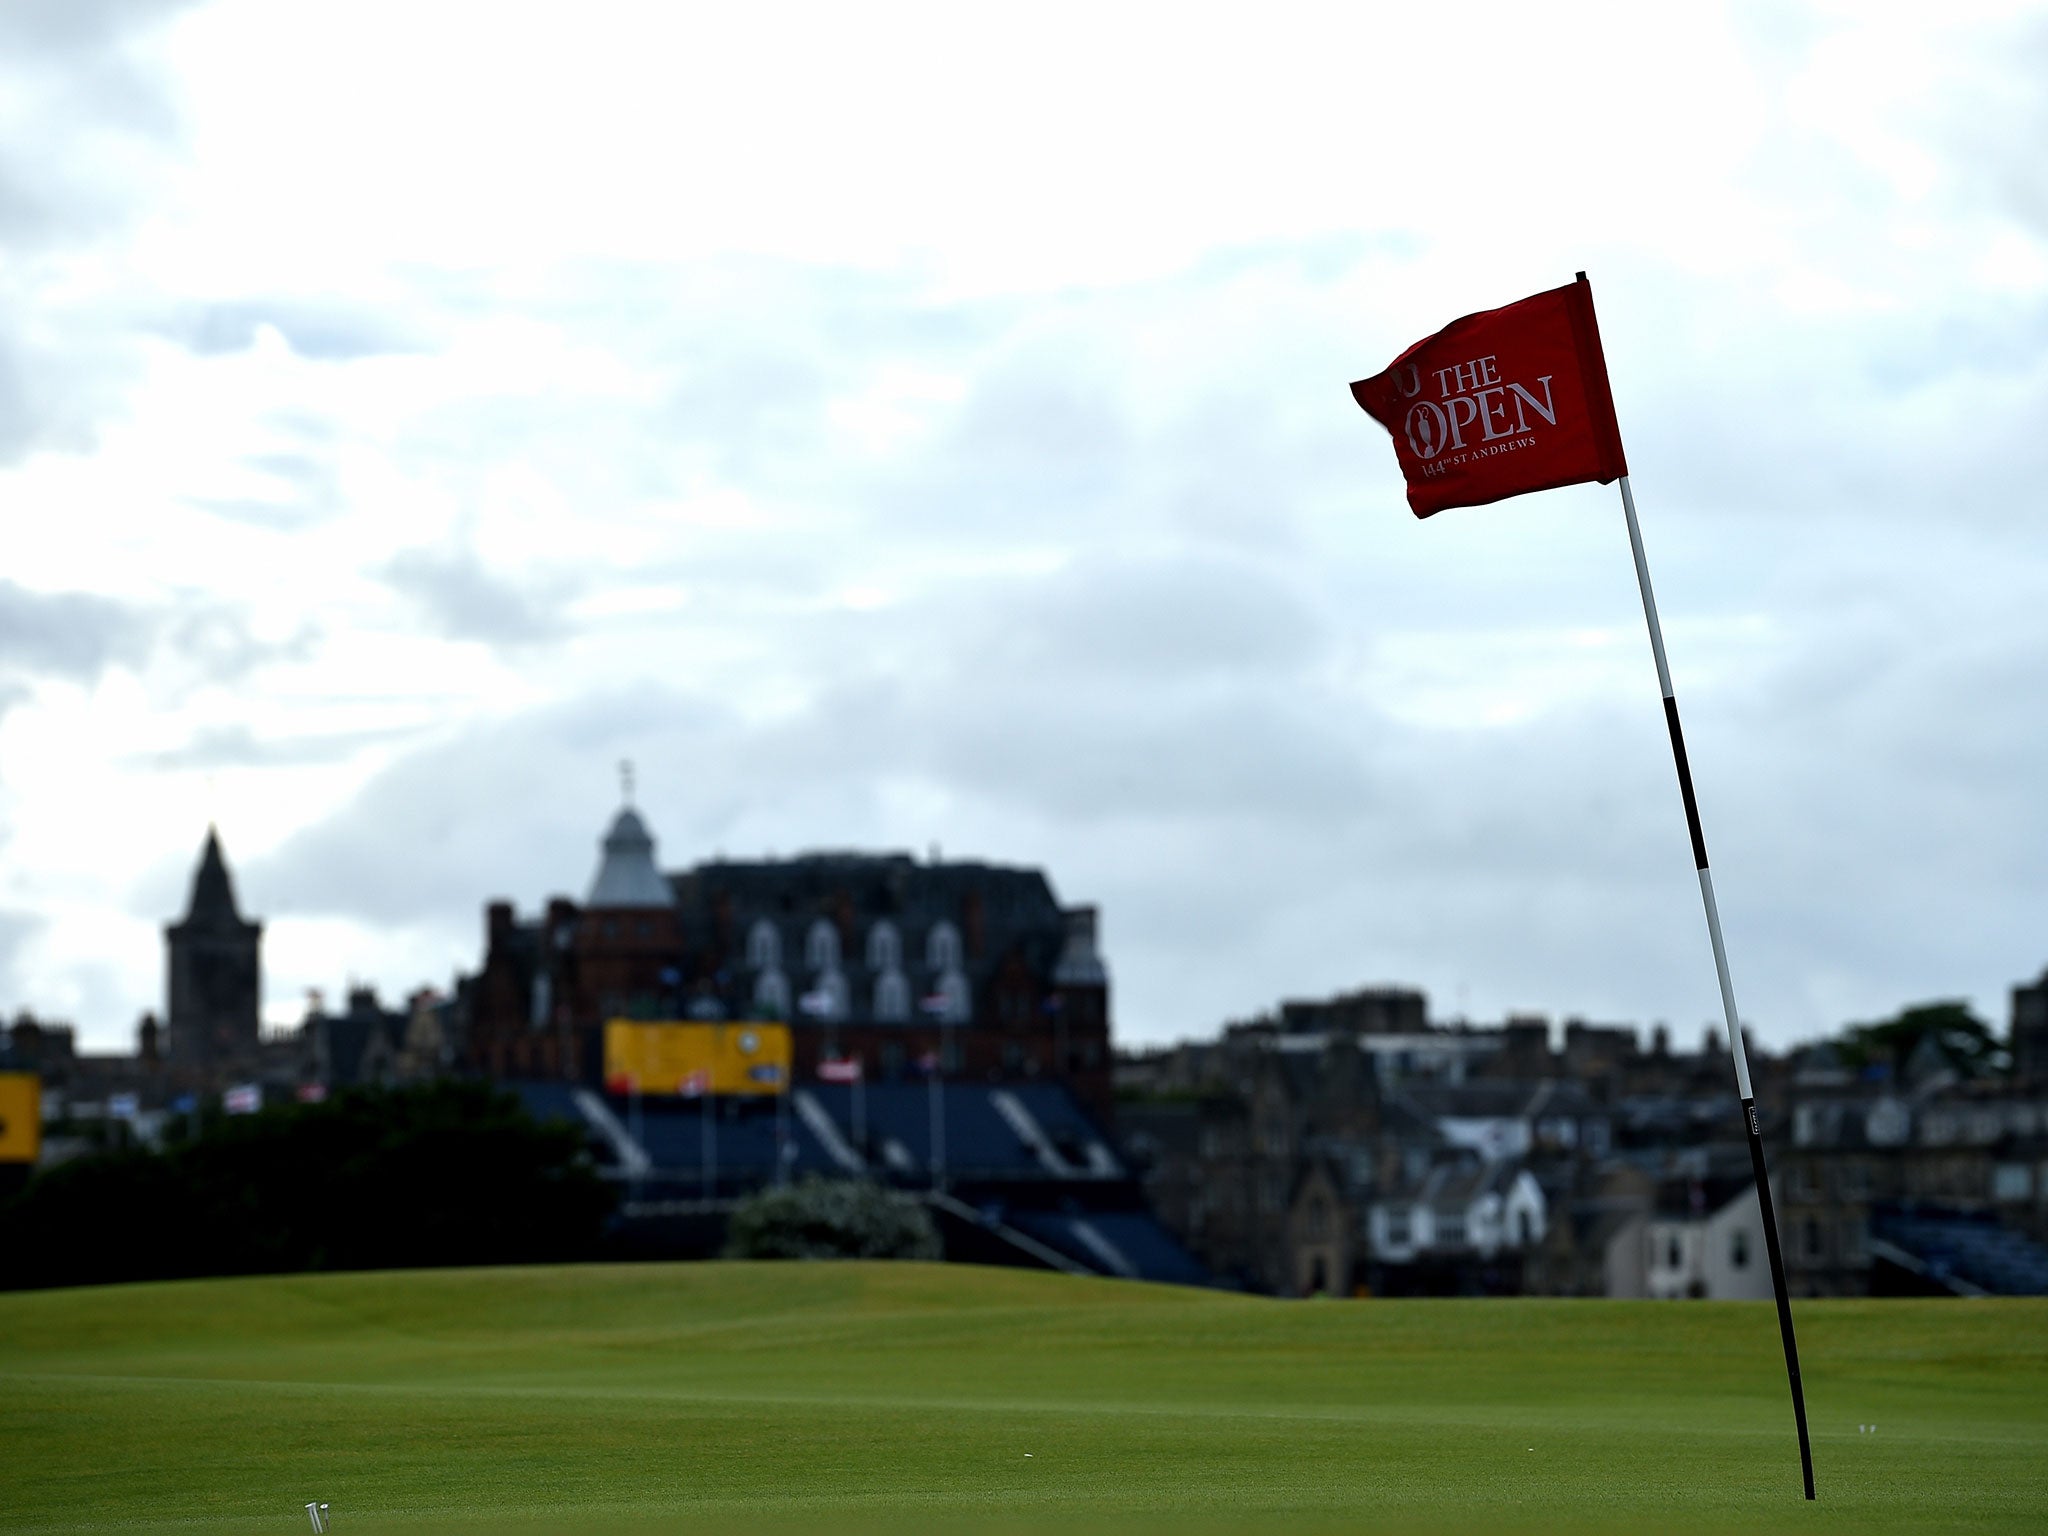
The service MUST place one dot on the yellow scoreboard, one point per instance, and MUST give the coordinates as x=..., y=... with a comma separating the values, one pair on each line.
x=696, y=1059
x=21, y=1117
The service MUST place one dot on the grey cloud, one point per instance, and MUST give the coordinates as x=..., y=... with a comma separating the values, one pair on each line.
x=463, y=600
x=1993, y=127
x=323, y=330
x=76, y=83
x=510, y=808
x=82, y=114
x=53, y=394
x=1139, y=621
x=219, y=645
x=282, y=516
x=1251, y=836
x=48, y=32
x=77, y=637
x=240, y=746
x=72, y=635
x=16, y=930
x=308, y=491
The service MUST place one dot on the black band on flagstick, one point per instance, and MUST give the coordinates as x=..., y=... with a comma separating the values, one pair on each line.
x=1692, y=810
x=1777, y=1256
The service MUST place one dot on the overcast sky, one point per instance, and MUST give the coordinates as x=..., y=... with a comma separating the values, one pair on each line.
x=908, y=427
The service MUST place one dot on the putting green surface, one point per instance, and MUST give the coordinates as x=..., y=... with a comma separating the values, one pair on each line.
x=903, y=1398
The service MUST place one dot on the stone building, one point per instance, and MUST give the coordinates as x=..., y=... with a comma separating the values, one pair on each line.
x=973, y=968
x=214, y=985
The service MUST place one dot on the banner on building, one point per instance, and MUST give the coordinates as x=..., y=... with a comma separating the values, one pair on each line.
x=21, y=1117
x=667, y=1057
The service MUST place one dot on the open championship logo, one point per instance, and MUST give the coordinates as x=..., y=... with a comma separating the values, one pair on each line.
x=1470, y=395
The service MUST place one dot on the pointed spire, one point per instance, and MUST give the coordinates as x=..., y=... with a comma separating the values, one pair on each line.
x=213, y=889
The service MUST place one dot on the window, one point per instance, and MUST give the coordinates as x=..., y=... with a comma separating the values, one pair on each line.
x=885, y=947
x=1811, y=1239
x=821, y=947
x=942, y=948
x=1674, y=1255
x=1318, y=1219
x=951, y=1001
x=828, y=999
x=2012, y=1181
x=1738, y=1248
x=1855, y=1240
x=892, y=996
x=771, y=995
x=764, y=946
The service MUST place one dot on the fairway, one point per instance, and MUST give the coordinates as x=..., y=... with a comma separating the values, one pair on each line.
x=902, y=1397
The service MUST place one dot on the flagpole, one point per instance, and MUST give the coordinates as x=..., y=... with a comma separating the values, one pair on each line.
x=782, y=1147
x=938, y=1131
x=1735, y=1046
x=710, y=1158
x=639, y=1141
x=860, y=1108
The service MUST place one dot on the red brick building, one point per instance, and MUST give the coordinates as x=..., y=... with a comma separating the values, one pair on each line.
x=876, y=956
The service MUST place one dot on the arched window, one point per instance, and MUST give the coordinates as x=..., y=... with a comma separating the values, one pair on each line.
x=771, y=994
x=764, y=946
x=827, y=998
x=821, y=947
x=952, y=1002
x=885, y=947
x=942, y=948
x=892, y=996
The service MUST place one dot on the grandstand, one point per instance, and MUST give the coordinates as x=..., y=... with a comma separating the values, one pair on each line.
x=1014, y=1173
x=1934, y=1249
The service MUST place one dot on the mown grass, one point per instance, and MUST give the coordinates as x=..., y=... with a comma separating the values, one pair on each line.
x=901, y=1398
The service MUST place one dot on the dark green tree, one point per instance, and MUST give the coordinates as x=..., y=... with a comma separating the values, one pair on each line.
x=1965, y=1040
x=449, y=1173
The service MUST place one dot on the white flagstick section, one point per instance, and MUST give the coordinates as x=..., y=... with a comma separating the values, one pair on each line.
x=1735, y=1046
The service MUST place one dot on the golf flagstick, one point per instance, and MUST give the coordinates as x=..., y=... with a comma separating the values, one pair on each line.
x=1513, y=400
x=1742, y=1086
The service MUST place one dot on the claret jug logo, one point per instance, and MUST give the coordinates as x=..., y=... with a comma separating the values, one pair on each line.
x=1474, y=410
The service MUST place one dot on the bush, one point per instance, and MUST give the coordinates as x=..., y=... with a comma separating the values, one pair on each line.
x=832, y=1219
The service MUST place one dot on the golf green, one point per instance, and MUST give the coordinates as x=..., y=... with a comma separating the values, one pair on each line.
x=911, y=1397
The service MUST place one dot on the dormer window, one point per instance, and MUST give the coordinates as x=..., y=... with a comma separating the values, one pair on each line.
x=821, y=947
x=885, y=947
x=892, y=997
x=942, y=948
x=764, y=946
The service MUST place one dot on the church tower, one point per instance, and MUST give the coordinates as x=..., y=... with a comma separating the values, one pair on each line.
x=215, y=973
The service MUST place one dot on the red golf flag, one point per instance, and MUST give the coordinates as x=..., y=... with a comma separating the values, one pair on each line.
x=1500, y=403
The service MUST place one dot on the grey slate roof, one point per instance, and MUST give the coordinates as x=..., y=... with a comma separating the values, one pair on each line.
x=626, y=872
x=212, y=904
